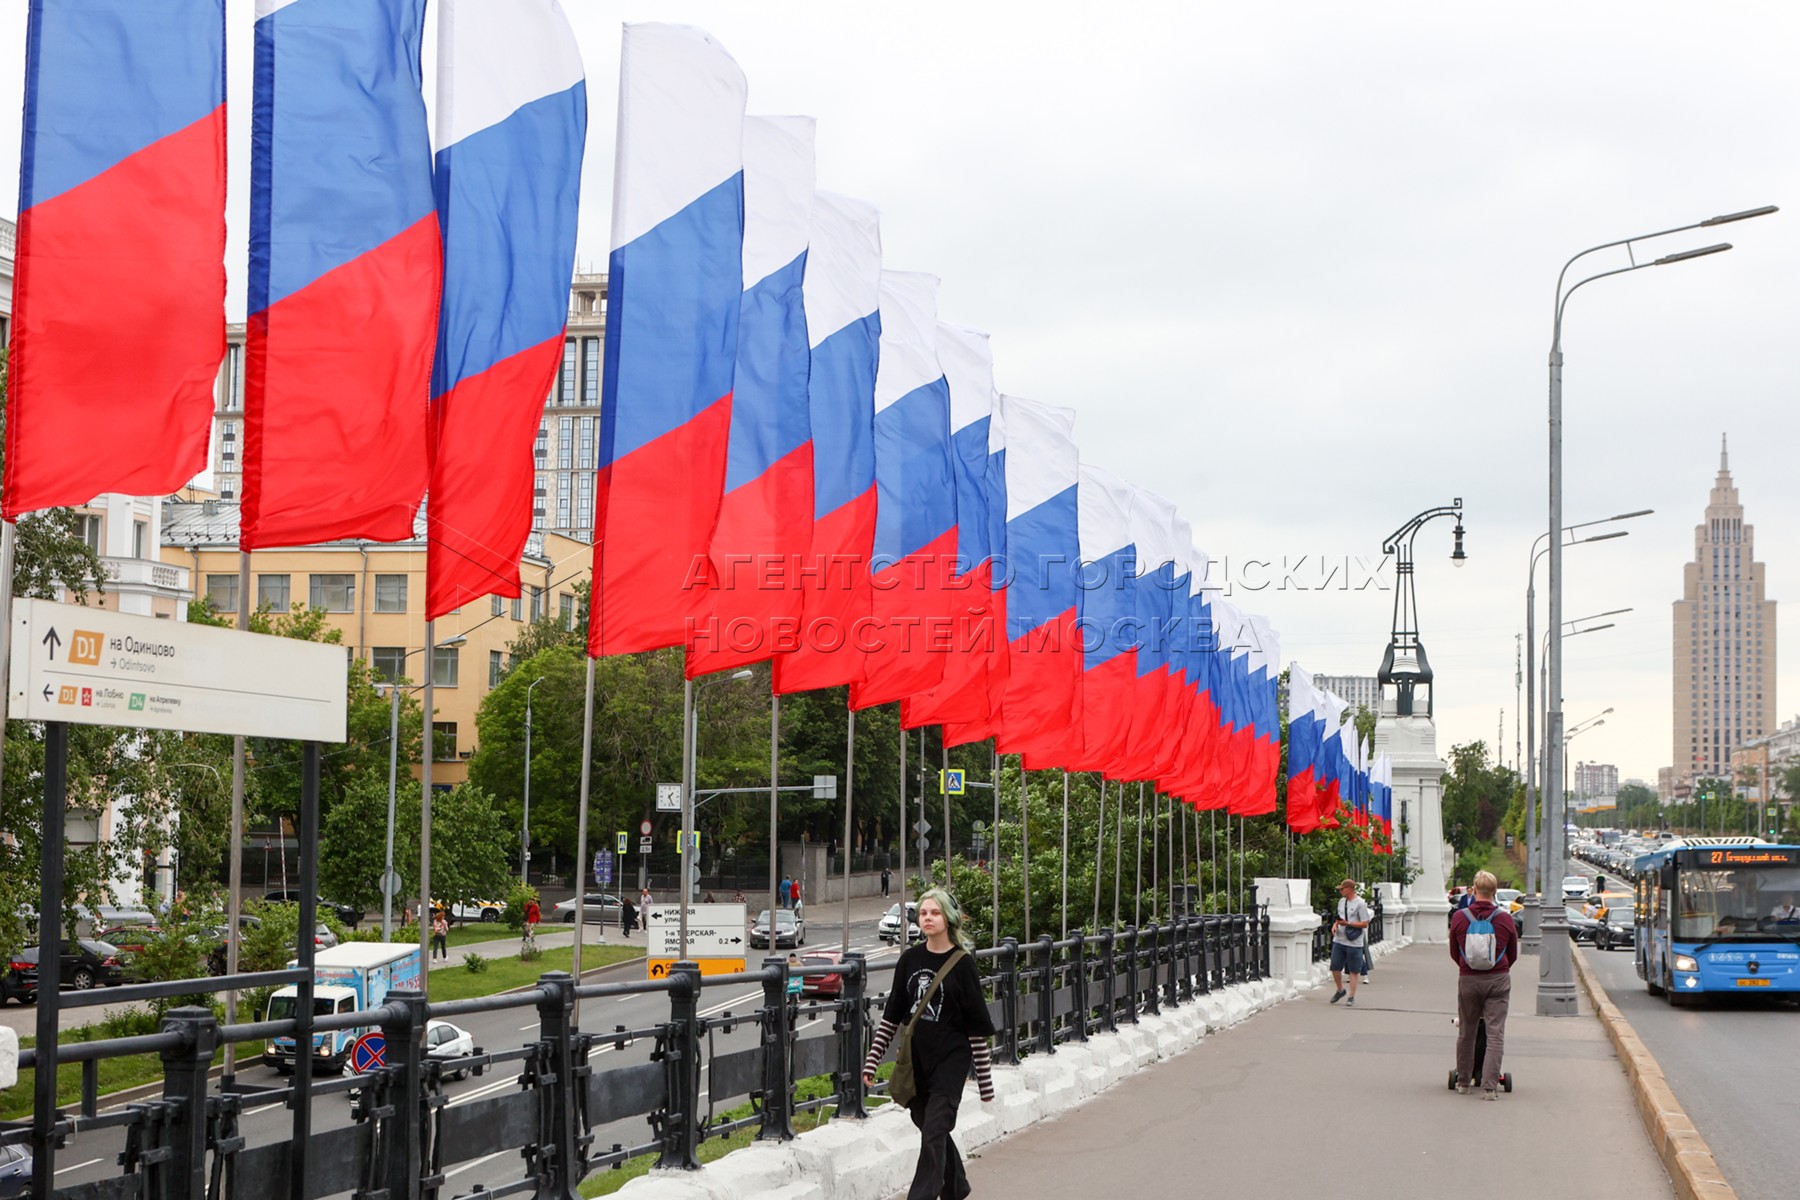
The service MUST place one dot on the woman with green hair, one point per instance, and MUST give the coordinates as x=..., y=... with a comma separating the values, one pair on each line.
x=937, y=994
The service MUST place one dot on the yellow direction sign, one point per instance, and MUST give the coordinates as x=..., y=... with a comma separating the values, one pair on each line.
x=660, y=967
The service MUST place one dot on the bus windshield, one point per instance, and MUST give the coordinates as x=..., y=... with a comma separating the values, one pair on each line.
x=1738, y=903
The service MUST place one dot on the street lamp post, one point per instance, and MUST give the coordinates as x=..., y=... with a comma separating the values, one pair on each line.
x=389, y=882
x=525, y=827
x=1556, y=980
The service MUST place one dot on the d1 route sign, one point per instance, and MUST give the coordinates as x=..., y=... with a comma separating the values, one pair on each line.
x=90, y=666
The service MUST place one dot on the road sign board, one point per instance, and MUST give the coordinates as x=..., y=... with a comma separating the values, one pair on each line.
x=951, y=781
x=643, y=845
x=924, y=844
x=668, y=798
x=660, y=967
x=94, y=667
x=714, y=931
x=645, y=827
x=368, y=1053
x=390, y=884
x=824, y=787
x=687, y=841
x=603, y=867
x=622, y=835
x=921, y=826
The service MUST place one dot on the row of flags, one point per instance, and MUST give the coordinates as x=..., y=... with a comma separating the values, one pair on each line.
x=801, y=462
x=405, y=308
x=1333, y=780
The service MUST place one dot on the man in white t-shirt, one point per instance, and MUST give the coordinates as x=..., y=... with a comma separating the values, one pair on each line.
x=1349, y=940
x=1785, y=911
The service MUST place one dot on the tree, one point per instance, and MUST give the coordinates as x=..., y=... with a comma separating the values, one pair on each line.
x=1476, y=797
x=472, y=844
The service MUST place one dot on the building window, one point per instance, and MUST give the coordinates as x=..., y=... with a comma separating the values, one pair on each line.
x=585, y=451
x=443, y=737
x=222, y=593
x=537, y=604
x=390, y=593
x=590, y=370
x=140, y=539
x=389, y=663
x=272, y=592
x=332, y=593
x=497, y=606
x=565, y=442
x=496, y=668
x=518, y=608
x=568, y=372
x=443, y=665
x=90, y=531
x=566, y=604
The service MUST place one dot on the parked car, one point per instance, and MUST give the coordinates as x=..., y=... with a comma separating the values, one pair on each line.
x=888, y=928
x=486, y=911
x=822, y=985
x=348, y=914
x=86, y=963
x=449, y=1042
x=790, y=930
x=1581, y=926
x=1574, y=887
x=602, y=908
x=15, y=1172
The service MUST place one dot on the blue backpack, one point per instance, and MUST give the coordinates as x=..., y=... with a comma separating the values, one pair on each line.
x=1481, y=942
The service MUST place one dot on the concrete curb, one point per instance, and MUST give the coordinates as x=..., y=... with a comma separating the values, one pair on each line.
x=1677, y=1143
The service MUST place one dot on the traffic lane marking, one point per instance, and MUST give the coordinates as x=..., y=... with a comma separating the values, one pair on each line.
x=77, y=1166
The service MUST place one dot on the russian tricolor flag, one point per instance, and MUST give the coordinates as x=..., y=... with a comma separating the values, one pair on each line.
x=842, y=293
x=765, y=515
x=962, y=696
x=915, y=517
x=1305, y=733
x=511, y=123
x=346, y=268
x=1108, y=620
x=1040, y=703
x=1153, y=532
x=119, y=300
x=996, y=663
x=675, y=289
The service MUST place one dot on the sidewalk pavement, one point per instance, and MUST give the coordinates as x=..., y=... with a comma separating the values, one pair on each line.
x=1312, y=1099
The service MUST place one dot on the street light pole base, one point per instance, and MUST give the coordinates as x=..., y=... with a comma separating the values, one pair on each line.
x=1557, y=1000
x=1530, y=935
x=1556, y=994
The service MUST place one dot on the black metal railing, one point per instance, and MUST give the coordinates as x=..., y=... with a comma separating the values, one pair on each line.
x=406, y=1135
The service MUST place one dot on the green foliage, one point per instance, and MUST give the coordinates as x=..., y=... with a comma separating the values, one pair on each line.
x=471, y=848
x=186, y=945
x=474, y=964
x=516, y=900
x=1477, y=795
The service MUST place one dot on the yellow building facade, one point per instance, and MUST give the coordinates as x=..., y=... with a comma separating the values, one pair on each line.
x=373, y=593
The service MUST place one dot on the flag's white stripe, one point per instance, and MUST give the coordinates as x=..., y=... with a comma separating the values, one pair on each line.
x=778, y=193
x=1041, y=459
x=498, y=56
x=843, y=264
x=908, y=336
x=968, y=365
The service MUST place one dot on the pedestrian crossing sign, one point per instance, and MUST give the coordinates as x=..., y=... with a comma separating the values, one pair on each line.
x=950, y=781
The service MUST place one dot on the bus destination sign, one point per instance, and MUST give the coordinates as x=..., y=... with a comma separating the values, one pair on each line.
x=1746, y=856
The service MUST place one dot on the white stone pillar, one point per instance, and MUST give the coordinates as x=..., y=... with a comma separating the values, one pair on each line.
x=1412, y=744
x=1291, y=925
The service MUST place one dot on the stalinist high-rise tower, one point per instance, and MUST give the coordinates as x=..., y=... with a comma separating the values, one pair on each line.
x=1724, y=641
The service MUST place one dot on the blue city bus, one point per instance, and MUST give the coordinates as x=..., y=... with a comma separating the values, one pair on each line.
x=1718, y=914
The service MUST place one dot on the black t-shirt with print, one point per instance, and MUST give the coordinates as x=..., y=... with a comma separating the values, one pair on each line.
x=956, y=1013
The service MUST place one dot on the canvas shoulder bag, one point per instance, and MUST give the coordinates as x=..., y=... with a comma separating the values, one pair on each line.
x=902, y=1086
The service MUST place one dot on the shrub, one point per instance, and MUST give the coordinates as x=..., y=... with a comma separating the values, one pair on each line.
x=521, y=894
x=474, y=964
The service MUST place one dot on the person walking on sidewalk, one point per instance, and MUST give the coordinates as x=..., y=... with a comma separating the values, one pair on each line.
x=440, y=936
x=1484, y=943
x=936, y=995
x=1349, y=941
x=887, y=878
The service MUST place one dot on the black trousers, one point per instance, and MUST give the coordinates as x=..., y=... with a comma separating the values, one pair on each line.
x=940, y=1174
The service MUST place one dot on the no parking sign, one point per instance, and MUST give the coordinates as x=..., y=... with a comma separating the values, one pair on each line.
x=368, y=1053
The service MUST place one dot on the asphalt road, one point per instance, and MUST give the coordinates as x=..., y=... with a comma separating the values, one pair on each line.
x=1731, y=1062
x=90, y=1156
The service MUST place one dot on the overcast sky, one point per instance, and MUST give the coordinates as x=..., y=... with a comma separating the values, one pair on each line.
x=1293, y=265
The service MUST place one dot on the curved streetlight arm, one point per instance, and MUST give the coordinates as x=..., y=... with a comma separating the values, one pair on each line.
x=1391, y=543
x=1709, y=223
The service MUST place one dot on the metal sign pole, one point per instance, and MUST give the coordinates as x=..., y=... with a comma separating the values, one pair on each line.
x=298, y=1150
x=50, y=942
x=234, y=899
x=994, y=851
x=430, y=753
x=1065, y=859
x=1025, y=839
x=775, y=813
x=849, y=791
x=581, y=831
x=1118, y=850
x=1099, y=851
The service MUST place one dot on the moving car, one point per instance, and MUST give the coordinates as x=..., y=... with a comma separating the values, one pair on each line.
x=790, y=930
x=888, y=928
x=1574, y=887
x=486, y=911
x=601, y=908
x=15, y=1172
x=448, y=1042
x=1617, y=930
x=1581, y=926
x=822, y=985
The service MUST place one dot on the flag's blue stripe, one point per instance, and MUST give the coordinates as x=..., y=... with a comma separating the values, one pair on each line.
x=769, y=419
x=969, y=457
x=841, y=398
x=1042, y=546
x=106, y=78
x=673, y=295
x=506, y=200
x=915, y=492
x=1107, y=605
x=340, y=156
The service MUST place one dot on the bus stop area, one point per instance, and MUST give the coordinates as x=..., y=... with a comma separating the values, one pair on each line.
x=1317, y=1099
